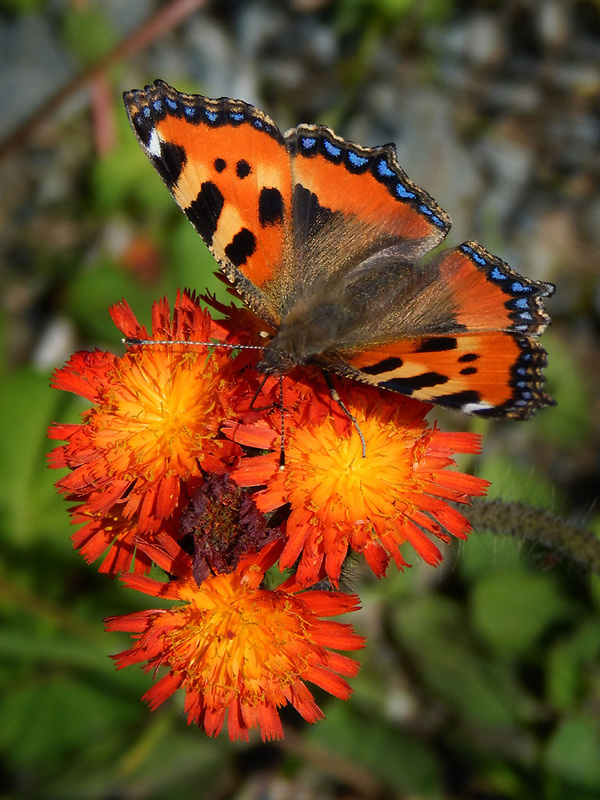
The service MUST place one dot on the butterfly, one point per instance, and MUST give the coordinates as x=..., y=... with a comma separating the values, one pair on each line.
x=324, y=239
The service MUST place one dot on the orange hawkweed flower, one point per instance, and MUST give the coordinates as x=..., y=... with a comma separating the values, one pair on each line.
x=113, y=536
x=238, y=650
x=153, y=428
x=340, y=501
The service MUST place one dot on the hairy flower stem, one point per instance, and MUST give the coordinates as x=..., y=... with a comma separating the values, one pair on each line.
x=544, y=528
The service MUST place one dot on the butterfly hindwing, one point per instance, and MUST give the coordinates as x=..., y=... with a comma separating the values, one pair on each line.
x=481, y=355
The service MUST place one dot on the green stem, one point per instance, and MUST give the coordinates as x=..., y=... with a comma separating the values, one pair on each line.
x=538, y=526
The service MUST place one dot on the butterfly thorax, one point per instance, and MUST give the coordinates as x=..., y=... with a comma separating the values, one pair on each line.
x=306, y=332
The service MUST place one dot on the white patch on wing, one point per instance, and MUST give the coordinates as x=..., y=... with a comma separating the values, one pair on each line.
x=154, y=144
x=472, y=408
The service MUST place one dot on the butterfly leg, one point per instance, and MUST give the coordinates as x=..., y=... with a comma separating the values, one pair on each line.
x=337, y=399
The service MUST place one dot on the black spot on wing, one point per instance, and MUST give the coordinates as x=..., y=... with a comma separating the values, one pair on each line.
x=417, y=382
x=205, y=210
x=468, y=371
x=243, y=168
x=458, y=400
x=241, y=247
x=171, y=162
x=309, y=215
x=220, y=164
x=436, y=344
x=142, y=125
x=270, y=207
x=468, y=357
x=387, y=365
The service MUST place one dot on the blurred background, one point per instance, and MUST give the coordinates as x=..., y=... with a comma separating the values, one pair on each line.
x=481, y=679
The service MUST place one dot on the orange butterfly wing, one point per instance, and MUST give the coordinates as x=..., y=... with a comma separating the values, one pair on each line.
x=227, y=166
x=487, y=361
x=321, y=237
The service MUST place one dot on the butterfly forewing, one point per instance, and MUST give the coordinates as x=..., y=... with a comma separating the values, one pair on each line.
x=226, y=164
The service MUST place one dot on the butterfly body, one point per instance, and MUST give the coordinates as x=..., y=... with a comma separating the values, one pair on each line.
x=323, y=239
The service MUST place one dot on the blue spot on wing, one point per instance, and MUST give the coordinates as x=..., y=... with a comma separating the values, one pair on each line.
x=520, y=287
x=308, y=142
x=331, y=149
x=402, y=191
x=356, y=160
x=435, y=219
x=384, y=170
x=497, y=274
x=480, y=260
x=211, y=115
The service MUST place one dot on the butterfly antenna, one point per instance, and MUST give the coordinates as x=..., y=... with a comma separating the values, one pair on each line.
x=337, y=399
x=130, y=341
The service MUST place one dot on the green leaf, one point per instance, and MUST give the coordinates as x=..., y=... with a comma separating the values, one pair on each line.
x=92, y=292
x=569, y=424
x=515, y=483
x=434, y=632
x=87, y=32
x=27, y=494
x=572, y=753
x=573, y=663
x=191, y=265
x=486, y=552
x=45, y=721
x=512, y=609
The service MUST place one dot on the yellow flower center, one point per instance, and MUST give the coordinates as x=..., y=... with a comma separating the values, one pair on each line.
x=238, y=639
x=160, y=412
x=326, y=472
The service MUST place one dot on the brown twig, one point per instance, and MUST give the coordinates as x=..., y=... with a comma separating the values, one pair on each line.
x=163, y=20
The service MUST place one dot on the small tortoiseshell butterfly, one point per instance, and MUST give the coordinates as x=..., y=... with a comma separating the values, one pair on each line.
x=322, y=238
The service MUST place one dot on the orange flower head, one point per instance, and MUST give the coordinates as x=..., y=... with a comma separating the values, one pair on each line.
x=341, y=501
x=238, y=650
x=154, y=424
x=110, y=535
